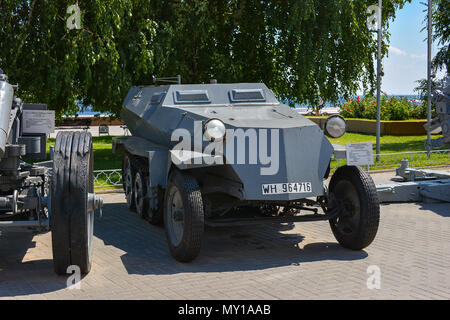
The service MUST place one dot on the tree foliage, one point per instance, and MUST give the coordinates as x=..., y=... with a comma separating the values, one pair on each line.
x=303, y=50
x=95, y=65
x=441, y=34
x=441, y=28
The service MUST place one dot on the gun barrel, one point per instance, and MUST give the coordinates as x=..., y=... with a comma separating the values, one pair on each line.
x=6, y=99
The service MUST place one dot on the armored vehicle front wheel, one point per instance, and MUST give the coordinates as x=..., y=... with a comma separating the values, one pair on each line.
x=128, y=175
x=183, y=216
x=354, y=193
x=140, y=195
x=71, y=216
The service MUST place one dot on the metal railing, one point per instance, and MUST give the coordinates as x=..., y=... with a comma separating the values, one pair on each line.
x=113, y=178
x=108, y=178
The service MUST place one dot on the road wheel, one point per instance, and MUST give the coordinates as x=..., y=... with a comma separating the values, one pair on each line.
x=183, y=216
x=354, y=193
x=128, y=174
x=154, y=197
x=71, y=221
x=140, y=195
x=155, y=216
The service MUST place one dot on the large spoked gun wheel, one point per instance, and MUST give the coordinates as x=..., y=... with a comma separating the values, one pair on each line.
x=73, y=202
x=354, y=193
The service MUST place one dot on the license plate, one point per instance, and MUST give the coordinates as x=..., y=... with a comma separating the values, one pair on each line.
x=290, y=187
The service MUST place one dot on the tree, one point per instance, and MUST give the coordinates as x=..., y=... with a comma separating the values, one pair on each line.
x=304, y=50
x=422, y=87
x=441, y=33
x=441, y=28
x=94, y=65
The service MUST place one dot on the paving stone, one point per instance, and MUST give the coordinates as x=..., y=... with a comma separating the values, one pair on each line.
x=273, y=261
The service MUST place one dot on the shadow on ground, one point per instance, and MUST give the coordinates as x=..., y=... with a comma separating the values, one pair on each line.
x=228, y=249
x=442, y=209
x=19, y=277
x=224, y=249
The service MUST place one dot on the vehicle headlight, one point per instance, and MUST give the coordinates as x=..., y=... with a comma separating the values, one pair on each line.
x=335, y=126
x=214, y=130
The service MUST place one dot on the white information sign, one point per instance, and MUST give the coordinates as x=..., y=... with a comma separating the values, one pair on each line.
x=359, y=154
x=38, y=121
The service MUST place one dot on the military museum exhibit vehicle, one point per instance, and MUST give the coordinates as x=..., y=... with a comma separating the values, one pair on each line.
x=420, y=184
x=441, y=98
x=57, y=195
x=228, y=154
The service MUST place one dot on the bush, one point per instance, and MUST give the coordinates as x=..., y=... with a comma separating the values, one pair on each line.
x=352, y=108
x=420, y=111
x=398, y=109
x=391, y=108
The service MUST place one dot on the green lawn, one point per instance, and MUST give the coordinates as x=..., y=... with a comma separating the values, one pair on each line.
x=104, y=158
x=388, y=144
x=395, y=144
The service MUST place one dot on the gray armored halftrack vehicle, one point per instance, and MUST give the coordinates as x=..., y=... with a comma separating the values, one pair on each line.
x=56, y=196
x=228, y=154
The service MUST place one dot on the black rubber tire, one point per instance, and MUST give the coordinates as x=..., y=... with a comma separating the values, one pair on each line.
x=70, y=221
x=369, y=207
x=140, y=195
x=154, y=216
x=129, y=194
x=193, y=226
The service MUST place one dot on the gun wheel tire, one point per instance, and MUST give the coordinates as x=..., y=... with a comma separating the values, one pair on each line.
x=128, y=175
x=183, y=216
x=72, y=223
x=140, y=195
x=355, y=194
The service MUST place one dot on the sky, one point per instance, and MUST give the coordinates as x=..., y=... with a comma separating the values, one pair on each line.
x=407, y=60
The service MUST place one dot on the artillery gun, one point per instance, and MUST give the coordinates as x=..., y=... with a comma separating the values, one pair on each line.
x=56, y=195
x=231, y=154
x=441, y=98
x=424, y=185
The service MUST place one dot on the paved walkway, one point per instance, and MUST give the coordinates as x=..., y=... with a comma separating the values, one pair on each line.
x=276, y=261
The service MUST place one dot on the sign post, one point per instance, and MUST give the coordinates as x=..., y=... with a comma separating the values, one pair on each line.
x=379, y=21
x=359, y=154
x=38, y=121
x=430, y=34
